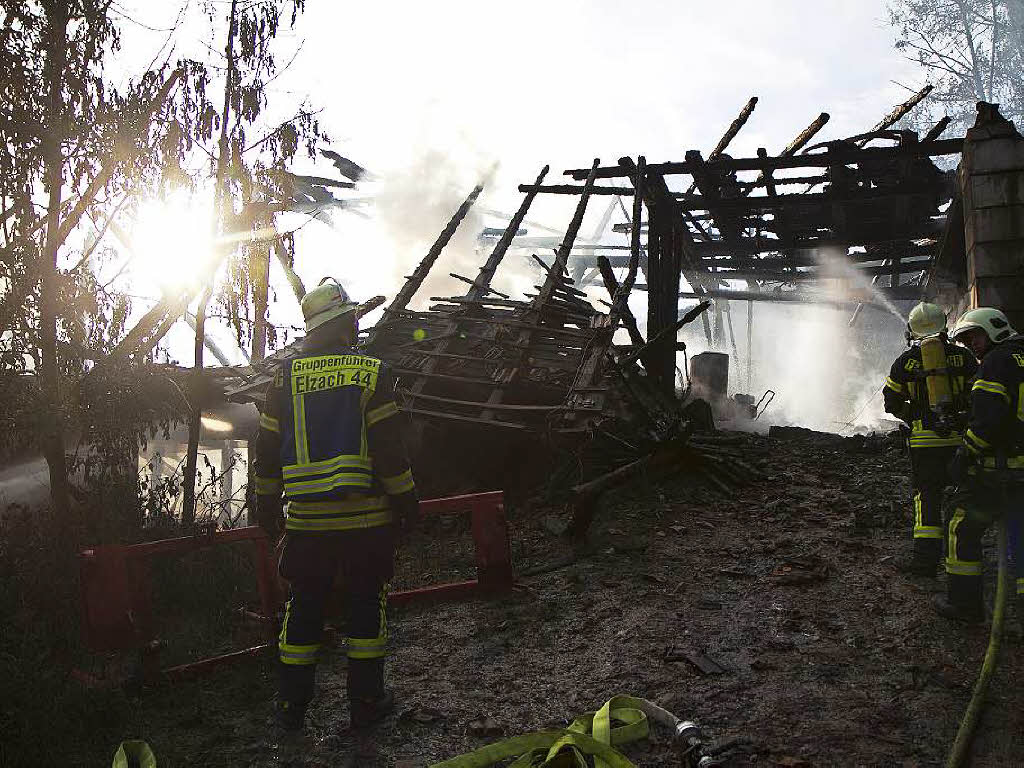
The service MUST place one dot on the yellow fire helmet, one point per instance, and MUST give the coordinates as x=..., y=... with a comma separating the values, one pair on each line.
x=990, y=320
x=326, y=302
x=926, y=320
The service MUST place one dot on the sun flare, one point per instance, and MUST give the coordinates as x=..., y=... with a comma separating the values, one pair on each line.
x=172, y=241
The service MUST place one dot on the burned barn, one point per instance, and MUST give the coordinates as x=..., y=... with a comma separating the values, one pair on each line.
x=850, y=222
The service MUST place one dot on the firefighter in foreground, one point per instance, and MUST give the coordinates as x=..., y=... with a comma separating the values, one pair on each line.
x=927, y=387
x=330, y=439
x=989, y=468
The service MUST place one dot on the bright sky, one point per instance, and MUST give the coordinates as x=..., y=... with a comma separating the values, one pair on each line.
x=431, y=95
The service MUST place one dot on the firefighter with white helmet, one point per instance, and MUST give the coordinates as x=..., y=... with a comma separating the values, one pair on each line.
x=927, y=388
x=330, y=441
x=989, y=467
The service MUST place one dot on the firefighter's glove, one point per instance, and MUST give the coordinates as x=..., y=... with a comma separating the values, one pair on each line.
x=959, y=465
x=270, y=516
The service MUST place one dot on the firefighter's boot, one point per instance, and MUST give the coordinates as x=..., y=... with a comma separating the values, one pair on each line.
x=369, y=701
x=962, y=601
x=289, y=717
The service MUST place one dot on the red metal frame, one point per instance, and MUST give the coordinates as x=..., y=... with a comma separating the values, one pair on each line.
x=117, y=611
x=490, y=537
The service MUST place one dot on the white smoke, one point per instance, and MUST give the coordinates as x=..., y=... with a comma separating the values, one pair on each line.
x=411, y=208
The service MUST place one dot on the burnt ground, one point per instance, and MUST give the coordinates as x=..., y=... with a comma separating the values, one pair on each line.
x=825, y=654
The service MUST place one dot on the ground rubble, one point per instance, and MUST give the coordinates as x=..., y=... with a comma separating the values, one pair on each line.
x=774, y=617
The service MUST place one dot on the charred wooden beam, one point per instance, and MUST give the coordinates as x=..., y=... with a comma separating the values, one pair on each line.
x=731, y=132
x=899, y=112
x=407, y=291
x=562, y=254
x=621, y=295
x=734, y=128
x=800, y=297
x=466, y=280
x=930, y=229
x=805, y=135
x=571, y=189
x=720, y=254
x=669, y=333
x=796, y=144
x=832, y=156
x=657, y=196
x=937, y=130
x=805, y=201
x=822, y=272
x=611, y=285
x=483, y=280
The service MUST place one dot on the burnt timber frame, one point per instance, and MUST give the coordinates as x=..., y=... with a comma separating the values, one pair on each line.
x=851, y=214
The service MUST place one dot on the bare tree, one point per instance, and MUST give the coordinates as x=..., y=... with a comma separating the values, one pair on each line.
x=971, y=50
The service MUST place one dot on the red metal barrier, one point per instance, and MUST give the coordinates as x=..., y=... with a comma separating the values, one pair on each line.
x=117, y=610
x=490, y=538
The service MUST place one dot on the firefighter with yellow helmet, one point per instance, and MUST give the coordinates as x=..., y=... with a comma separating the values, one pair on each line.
x=331, y=440
x=989, y=467
x=927, y=388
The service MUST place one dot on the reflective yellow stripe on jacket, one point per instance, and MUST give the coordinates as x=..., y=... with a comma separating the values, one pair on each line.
x=927, y=438
x=992, y=387
x=356, y=512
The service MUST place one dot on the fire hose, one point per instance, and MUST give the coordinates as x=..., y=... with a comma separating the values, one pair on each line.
x=592, y=734
x=961, y=746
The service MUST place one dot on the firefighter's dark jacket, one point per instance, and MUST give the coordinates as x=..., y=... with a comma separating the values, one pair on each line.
x=995, y=428
x=330, y=440
x=906, y=394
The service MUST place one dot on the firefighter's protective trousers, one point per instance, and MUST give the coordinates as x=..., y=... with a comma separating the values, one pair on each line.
x=930, y=476
x=364, y=561
x=974, y=507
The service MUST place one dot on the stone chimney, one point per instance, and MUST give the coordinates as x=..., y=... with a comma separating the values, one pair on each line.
x=991, y=177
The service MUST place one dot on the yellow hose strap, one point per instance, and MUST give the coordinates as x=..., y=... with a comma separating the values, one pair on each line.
x=134, y=753
x=590, y=735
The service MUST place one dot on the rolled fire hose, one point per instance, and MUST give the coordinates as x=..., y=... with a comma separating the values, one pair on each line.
x=961, y=747
x=591, y=734
x=134, y=754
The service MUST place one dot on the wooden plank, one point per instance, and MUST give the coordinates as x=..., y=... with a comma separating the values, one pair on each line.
x=478, y=404
x=455, y=417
